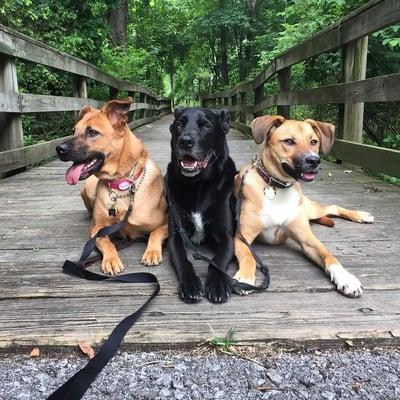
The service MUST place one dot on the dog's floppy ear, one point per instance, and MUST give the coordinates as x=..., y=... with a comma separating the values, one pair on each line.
x=117, y=111
x=325, y=132
x=263, y=126
x=224, y=120
x=84, y=110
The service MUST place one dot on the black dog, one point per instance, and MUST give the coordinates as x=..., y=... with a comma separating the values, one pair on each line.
x=200, y=180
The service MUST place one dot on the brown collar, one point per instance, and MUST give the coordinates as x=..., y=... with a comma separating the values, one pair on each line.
x=269, y=179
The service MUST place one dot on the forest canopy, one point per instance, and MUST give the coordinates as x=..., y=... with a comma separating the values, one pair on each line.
x=186, y=48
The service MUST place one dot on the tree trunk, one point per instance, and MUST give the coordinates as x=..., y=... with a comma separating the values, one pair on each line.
x=171, y=80
x=118, y=21
x=223, y=51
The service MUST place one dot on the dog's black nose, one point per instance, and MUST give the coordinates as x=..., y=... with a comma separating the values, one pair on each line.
x=312, y=160
x=61, y=149
x=186, y=142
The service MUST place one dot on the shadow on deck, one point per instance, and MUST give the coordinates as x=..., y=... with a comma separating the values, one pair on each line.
x=43, y=222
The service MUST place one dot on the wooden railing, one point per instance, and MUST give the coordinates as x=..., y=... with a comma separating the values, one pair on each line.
x=249, y=99
x=13, y=155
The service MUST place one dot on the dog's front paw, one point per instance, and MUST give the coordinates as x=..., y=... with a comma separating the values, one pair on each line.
x=112, y=265
x=152, y=257
x=191, y=289
x=365, y=217
x=345, y=282
x=245, y=278
x=218, y=288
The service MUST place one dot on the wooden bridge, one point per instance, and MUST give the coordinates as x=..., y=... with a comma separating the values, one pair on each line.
x=43, y=221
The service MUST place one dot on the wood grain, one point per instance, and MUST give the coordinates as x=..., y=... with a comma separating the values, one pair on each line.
x=44, y=222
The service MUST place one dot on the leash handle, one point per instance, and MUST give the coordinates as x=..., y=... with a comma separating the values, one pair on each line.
x=77, y=385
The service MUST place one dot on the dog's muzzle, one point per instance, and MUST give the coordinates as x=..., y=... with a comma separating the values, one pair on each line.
x=191, y=166
x=84, y=163
x=305, y=168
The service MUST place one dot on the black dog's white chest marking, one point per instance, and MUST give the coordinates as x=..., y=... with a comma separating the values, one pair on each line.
x=197, y=220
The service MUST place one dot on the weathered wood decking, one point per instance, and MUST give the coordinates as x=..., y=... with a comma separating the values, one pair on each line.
x=43, y=222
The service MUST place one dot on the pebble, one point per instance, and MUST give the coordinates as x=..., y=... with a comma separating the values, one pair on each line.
x=326, y=375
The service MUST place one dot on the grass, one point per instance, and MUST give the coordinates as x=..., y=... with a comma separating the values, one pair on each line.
x=226, y=342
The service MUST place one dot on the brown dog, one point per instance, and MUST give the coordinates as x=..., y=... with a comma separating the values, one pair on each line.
x=274, y=207
x=119, y=173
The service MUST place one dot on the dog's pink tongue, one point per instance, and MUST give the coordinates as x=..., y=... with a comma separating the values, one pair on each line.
x=73, y=173
x=309, y=175
x=189, y=162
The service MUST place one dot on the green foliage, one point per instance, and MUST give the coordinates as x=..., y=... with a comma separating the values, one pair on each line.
x=187, y=48
x=222, y=342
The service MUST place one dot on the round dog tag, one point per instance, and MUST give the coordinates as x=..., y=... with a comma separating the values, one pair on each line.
x=269, y=192
x=124, y=185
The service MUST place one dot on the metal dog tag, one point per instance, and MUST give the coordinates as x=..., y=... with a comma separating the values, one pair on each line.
x=269, y=192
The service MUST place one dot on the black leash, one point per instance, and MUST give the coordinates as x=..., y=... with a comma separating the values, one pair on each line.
x=237, y=286
x=76, y=386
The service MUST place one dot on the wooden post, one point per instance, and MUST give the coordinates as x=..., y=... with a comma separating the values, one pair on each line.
x=142, y=99
x=234, y=104
x=284, y=78
x=113, y=93
x=226, y=101
x=242, y=101
x=258, y=98
x=11, y=135
x=131, y=114
x=354, y=67
x=79, y=89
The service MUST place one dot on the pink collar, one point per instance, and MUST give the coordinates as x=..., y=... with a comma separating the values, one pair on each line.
x=123, y=183
x=120, y=184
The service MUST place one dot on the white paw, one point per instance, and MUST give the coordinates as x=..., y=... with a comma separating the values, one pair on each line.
x=366, y=217
x=244, y=279
x=345, y=282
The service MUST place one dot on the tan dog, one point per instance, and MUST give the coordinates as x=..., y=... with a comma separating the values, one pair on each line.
x=274, y=207
x=113, y=160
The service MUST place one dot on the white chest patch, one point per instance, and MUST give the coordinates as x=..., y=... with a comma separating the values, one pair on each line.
x=280, y=210
x=198, y=234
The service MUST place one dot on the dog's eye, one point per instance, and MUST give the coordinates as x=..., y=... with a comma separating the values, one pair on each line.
x=206, y=125
x=91, y=132
x=313, y=142
x=179, y=125
x=289, y=142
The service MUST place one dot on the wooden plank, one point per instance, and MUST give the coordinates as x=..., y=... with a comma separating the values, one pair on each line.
x=44, y=103
x=267, y=102
x=32, y=103
x=46, y=223
x=169, y=321
x=379, y=89
x=378, y=159
x=28, y=156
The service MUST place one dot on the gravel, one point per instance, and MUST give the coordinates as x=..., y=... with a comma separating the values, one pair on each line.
x=327, y=375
